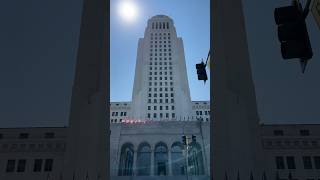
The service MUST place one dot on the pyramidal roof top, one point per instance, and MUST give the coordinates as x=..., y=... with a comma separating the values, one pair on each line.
x=160, y=16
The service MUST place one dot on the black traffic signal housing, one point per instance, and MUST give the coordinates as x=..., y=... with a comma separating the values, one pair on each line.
x=194, y=138
x=201, y=71
x=184, y=140
x=293, y=33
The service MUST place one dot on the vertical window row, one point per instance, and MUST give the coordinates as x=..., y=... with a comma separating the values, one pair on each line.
x=160, y=25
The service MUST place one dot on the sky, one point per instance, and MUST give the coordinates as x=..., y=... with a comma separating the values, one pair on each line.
x=38, y=46
x=192, y=22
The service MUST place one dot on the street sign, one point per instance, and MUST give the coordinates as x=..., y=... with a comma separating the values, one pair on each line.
x=316, y=11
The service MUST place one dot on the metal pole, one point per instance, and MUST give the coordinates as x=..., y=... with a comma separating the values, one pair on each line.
x=186, y=147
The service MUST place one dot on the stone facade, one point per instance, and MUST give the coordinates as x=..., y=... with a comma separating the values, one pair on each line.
x=296, y=140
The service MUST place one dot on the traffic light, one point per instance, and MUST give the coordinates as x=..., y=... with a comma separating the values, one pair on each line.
x=201, y=71
x=184, y=140
x=293, y=33
x=194, y=138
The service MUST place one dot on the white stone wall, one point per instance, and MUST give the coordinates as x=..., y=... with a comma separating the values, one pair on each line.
x=146, y=59
x=119, y=111
x=155, y=132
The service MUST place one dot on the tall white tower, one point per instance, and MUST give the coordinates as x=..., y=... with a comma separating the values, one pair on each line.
x=161, y=90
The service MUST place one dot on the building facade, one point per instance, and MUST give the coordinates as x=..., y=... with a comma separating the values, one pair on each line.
x=38, y=153
x=161, y=90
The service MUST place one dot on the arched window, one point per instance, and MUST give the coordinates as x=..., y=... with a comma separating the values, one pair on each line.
x=167, y=25
x=163, y=25
x=161, y=159
x=156, y=25
x=177, y=159
x=195, y=160
x=144, y=160
x=126, y=160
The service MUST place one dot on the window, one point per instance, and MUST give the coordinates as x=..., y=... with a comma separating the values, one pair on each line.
x=37, y=165
x=161, y=115
x=161, y=159
x=155, y=101
x=160, y=100
x=48, y=165
x=160, y=107
x=149, y=107
x=49, y=135
x=11, y=165
x=125, y=113
x=304, y=132
x=149, y=100
x=167, y=115
x=126, y=160
x=195, y=160
x=121, y=114
x=172, y=100
x=205, y=112
x=290, y=162
x=23, y=135
x=171, y=94
x=148, y=115
x=172, y=107
x=154, y=107
x=154, y=115
x=280, y=162
x=173, y=115
x=177, y=159
x=307, y=162
x=197, y=112
x=200, y=112
x=167, y=107
x=317, y=162
x=166, y=95
x=144, y=159
x=155, y=95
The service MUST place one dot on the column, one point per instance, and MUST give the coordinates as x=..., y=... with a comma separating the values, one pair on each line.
x=152, y=162
x=134, y=169
x=169, y=163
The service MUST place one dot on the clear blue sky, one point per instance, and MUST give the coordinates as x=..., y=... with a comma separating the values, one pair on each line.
x=192, y=22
